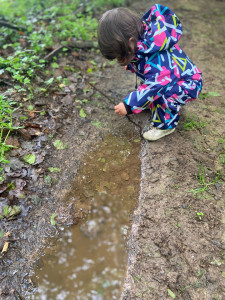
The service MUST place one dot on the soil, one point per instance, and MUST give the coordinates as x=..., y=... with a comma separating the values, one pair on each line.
x=177, y=242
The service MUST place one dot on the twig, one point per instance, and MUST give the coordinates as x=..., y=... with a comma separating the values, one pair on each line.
x=6, y=83
x=12, y=26
x=3, y=278
x=111, y=101
x=54, y=52
x=103, y=94
x=82, y=44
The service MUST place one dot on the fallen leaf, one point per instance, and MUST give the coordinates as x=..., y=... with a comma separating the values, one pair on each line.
x=12, y=211
x=97, y=124
x=67, y=100
x=82, y=113
x=172, y=295
x=59, y=145
x=12, y=141
x=54, y=170
x=30, y=158
x=5, y=247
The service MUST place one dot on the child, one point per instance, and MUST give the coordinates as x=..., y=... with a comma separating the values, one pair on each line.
x=148, y=47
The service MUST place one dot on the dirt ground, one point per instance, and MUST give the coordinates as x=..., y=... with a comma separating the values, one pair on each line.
x=177, y=243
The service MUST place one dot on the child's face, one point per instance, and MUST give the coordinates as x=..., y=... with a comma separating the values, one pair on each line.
x=125, y=61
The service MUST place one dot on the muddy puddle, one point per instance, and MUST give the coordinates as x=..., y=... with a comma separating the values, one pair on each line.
x=89, y=260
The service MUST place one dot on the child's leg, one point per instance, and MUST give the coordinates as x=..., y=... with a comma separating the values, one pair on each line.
x=165, y=116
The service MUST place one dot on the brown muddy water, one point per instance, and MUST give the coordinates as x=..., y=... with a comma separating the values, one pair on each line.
x=89, y=260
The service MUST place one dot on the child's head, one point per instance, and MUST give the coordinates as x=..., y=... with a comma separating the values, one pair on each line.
x=119, y=30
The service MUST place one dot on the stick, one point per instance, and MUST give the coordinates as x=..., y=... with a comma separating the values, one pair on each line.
x=12, y=26
x=82, y=44
x=54, y=52
x=111, y=101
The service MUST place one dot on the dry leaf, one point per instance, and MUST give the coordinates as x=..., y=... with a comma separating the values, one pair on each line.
x=5, y=248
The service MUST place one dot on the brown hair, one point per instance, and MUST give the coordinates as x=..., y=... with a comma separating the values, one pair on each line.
x=115, y=28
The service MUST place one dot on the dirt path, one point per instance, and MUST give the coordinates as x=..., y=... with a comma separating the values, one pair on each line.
x=173, y=251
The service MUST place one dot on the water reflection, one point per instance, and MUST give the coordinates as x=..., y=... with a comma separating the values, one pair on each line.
x=90, y=259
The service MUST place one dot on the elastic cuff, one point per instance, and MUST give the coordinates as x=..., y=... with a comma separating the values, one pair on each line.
x=128, y=108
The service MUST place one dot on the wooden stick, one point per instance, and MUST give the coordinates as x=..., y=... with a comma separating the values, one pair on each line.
x=12, y=26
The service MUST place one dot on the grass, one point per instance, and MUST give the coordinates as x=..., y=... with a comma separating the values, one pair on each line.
x=6, y=126
x=203, y=181
x=194, y=122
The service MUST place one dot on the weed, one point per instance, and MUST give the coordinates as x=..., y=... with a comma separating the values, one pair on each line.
x=199, y=215
x=52, y=219
x=194, y=122
x=203, y=181
x=6, y=126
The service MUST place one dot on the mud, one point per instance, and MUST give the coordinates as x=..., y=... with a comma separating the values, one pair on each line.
x=172, y=250
x=89, y=259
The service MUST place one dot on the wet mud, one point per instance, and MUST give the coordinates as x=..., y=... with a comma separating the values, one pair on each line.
x=89, y=260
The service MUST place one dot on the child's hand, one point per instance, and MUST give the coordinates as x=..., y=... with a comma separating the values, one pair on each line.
x=120, y=109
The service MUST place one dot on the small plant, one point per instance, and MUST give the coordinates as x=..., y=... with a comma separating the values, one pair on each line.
x=6, y=126
x=52, y=219
x=199, y=215
x=194, y=122
x=203, y=181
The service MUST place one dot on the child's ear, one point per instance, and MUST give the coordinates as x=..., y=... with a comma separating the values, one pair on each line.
x=132, y=44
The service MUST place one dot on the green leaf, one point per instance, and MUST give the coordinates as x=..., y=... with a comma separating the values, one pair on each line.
x=59, y=145
x=54, y=65
x=1, y=233
x=26, y=80
x=136, y=140
x=54, y=170
x=6, y=209
x=50, y=81
x=30, y=158
x=213, y=94
x=172, y=295
x=53, y=222
x=223, y=274
x=82, y=113
x=48, y=179
x=97, y=124
x=30, y=107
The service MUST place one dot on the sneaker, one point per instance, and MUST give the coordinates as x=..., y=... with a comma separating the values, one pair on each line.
x=155, y=133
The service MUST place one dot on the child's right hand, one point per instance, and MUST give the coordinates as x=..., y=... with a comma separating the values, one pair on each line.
x=120, y=109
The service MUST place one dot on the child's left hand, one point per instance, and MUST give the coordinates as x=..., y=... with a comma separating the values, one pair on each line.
x=120, y=109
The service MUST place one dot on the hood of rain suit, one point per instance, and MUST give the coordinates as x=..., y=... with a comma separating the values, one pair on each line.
x=162, y=30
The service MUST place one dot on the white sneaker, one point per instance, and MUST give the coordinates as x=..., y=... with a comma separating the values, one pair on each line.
x=155, y=133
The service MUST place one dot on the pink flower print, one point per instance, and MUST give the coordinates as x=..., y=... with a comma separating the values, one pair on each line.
x=167, y=116
x=164, y=77
x=164, y=105
x=159, y=16
x=142, y=87
x=180, y=82
x=196, y=77
x=174, y=34
x=159, y=39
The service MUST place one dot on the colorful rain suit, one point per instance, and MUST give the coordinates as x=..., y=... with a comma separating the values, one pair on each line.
x=169, y=79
